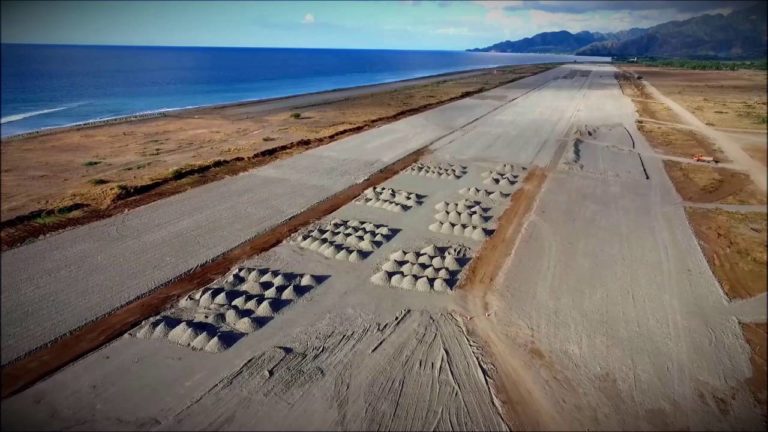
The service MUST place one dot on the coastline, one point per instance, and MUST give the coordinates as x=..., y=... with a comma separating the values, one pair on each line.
x=328, y=96
x=78, y=175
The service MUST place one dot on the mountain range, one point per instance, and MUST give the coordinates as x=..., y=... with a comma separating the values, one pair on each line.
x=738, y=35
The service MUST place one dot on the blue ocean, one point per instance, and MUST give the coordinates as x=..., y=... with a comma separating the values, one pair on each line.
x=47, y=86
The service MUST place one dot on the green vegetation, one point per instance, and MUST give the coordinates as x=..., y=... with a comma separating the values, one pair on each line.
x=91, y=163
x=46, y=219
x=178, y=173
x=705, y=64
x=61, y=213
x=98, y=181
x=296, y=115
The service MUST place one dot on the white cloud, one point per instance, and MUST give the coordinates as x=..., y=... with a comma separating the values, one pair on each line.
x=308, y=19
x=507, y=23
x=454, y=31
x=494, y=5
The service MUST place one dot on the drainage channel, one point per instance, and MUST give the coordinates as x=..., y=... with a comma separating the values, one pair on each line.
x=41, y=363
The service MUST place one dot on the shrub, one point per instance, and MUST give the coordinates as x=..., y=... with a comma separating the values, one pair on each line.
x=98, y=181
x=296, y=115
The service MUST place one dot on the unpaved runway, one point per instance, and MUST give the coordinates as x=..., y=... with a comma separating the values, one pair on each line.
x=603, y=313
x=620, y=319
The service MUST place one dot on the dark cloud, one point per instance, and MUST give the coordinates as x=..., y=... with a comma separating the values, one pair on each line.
x=578, y=7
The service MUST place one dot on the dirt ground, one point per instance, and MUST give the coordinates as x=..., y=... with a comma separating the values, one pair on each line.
x=88, y=165
x=723, y=99
x=734, y=245
x=647, y=106
x=734, y=101
x=678, y=142
x=707, y=184
x=756, y=335
x=665, y=138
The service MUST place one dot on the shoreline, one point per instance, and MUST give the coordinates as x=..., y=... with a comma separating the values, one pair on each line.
x=54, y=181
x=338, y=92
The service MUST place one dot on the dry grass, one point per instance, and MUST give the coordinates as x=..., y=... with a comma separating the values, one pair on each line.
x=728, y=99
x=673, y=141
x=734, y=245
x=708, y=184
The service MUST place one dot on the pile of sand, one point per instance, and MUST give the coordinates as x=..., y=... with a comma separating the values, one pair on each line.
x=189, y=333
x=446, y=171
x=432, y=268
x=500, y=178
x=390, y=199
x=348, y=240
x=484, y=193
x=240, y=304
x=466, y=218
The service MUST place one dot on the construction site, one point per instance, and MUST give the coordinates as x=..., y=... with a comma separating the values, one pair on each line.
x=572, y=250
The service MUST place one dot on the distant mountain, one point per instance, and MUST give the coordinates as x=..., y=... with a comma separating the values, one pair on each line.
x=560, y=42
x=740, y=34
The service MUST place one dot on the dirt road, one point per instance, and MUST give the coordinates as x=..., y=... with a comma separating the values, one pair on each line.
x=732, y=150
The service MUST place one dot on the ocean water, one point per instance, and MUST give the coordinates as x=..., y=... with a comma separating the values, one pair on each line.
x=47, y=86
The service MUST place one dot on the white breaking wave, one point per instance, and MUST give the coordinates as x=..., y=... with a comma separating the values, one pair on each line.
x=17, y=117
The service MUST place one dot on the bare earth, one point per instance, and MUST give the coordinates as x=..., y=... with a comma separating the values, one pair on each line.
x=721, y=99
x=591, y=305
x=707, y=184
x=733, y=241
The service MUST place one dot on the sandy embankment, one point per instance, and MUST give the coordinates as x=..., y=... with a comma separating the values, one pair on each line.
x=91, y=165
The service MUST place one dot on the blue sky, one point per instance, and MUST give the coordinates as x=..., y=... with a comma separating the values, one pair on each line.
x=441, y=25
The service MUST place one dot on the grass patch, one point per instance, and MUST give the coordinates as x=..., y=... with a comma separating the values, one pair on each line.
x=92, y=163
x=51, y=216
x=705, y=64
x=98, y=181
x=296, y=115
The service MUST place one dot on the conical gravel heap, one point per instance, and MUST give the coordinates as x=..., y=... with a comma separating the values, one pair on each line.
x=432, y=268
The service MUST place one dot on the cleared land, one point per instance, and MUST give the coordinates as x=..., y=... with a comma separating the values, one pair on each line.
x=707, y=184
x=396, y=311
x=722, y=99
x=596, y=332
x=733, y=242
x=735, y=247
x=99, y=166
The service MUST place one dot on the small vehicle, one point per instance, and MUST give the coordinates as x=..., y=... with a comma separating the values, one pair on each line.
x=705, y=159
